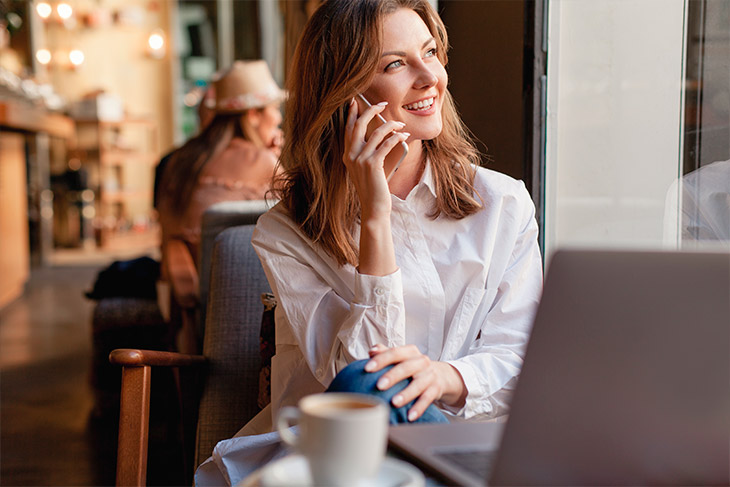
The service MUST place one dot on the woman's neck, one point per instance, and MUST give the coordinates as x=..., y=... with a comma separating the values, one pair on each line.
x=409, y=172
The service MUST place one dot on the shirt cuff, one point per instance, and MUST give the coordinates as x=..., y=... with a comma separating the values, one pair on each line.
x=378, y=290
x=475, y=403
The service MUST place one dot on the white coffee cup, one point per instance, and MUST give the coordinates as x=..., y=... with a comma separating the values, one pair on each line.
x=343, y=436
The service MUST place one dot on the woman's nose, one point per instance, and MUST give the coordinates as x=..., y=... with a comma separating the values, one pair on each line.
x=425, y=77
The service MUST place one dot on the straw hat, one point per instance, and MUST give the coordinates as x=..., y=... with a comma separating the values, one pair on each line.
x=247, y=84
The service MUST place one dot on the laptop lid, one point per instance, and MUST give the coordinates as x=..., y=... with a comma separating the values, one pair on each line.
x=627, y=374
x=626, y=380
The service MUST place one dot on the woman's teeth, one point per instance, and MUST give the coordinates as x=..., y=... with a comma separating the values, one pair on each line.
x=420, y=105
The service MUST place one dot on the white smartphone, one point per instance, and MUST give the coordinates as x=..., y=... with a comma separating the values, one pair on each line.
x=403, y=144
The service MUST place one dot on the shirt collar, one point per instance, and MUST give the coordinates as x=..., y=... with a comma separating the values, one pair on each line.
x=427, y=178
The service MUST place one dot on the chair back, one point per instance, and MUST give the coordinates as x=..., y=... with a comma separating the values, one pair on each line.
x=231, y=344
x=217, y=218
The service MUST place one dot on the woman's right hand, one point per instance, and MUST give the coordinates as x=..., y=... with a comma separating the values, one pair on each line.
x=365, y=158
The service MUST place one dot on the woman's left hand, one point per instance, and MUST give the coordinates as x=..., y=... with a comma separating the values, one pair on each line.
x=432, y=380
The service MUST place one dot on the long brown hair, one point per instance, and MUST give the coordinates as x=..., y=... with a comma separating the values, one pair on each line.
x=186, y=164
x=336, y=58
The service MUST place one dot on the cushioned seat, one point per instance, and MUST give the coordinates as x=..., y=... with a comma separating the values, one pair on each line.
x=217, y=218
x=231, y=339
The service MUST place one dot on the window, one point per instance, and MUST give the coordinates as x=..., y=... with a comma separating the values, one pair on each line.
x=704, y=191
x=637, y=102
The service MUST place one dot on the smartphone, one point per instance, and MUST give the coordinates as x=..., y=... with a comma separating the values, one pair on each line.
x=403, y=144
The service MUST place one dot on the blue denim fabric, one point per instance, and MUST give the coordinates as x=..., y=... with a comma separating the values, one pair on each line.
x=353, y=378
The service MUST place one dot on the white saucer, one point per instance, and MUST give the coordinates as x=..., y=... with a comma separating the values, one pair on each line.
x=293, y=471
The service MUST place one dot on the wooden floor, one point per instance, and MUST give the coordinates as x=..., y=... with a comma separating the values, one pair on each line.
x=45, y=398
x=48, y=435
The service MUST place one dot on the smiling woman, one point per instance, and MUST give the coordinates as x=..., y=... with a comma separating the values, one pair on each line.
x=421, y=289
x=425, y=283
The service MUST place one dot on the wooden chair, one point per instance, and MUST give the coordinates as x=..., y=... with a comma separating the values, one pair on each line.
x=229, y=365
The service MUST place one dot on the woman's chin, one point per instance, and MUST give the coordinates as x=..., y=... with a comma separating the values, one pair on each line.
x=426, y=134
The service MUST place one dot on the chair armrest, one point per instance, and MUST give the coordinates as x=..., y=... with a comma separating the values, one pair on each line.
x=134, y=407
x=130, y=357
x=181, y=272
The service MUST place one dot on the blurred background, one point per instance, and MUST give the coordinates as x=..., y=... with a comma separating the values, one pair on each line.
x=605, y=109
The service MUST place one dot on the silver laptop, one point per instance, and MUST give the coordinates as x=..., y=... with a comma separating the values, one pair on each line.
x=626, y=381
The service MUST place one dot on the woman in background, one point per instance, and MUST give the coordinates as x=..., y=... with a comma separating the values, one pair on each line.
x=233, y=158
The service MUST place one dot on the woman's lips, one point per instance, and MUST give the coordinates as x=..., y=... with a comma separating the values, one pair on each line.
x=423, y=107
x=420, y=105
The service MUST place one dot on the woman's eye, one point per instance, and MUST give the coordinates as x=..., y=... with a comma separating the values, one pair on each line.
x=431, y=52
x=394, y=64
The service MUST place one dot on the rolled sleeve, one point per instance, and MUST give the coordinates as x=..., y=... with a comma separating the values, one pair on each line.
x=377, y=314
x=474, y=405
x=378, y=290
x=481, y=372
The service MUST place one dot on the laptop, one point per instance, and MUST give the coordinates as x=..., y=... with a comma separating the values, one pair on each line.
x=626, y=380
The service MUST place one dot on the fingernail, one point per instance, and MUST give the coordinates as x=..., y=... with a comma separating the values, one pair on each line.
x=374, y=347
x=370, y=366
x=400, y=124
x=406, y=134
x=412, y=416
x=352, y=101
x=382, y=103
x=397, y=400
x=383, y=383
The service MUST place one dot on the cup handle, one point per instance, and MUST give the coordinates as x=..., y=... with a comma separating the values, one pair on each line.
x=288, y=416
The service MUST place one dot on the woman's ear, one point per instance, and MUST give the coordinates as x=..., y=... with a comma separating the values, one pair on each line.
x=253, y=117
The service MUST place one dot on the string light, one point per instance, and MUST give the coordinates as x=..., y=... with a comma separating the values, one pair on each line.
x=44, y=10
x=156, y=42
x=64, y=11
x=43, y=56
x=76, y=57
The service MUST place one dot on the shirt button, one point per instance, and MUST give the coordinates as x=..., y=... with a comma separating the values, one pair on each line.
x=379, y=291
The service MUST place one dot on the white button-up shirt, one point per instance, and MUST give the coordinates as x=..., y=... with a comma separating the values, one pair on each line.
x=465, y=292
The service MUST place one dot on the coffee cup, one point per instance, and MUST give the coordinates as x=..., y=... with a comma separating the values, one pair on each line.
x=343, y=436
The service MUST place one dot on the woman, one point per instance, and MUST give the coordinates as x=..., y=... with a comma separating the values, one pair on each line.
x=233, y=158
x=433, y=275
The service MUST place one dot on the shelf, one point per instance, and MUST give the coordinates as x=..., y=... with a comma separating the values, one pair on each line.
x=26, y=117
x=122, y=196
x=120, y=158
x=117, y=123
x=120, y=155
